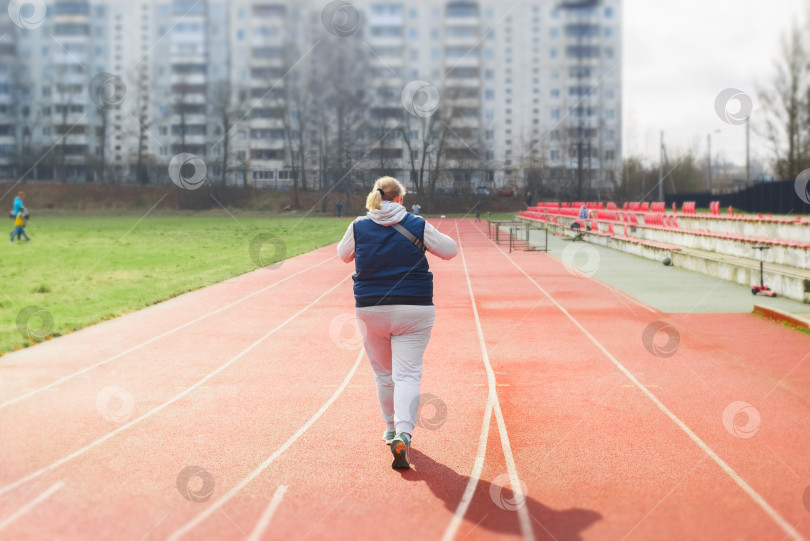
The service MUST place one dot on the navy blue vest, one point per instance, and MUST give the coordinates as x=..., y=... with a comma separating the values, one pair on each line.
x=389, y=268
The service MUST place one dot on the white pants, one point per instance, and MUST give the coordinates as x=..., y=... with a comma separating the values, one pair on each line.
x=395, y=338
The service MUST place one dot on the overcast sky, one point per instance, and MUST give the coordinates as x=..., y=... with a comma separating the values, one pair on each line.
x=679, y=55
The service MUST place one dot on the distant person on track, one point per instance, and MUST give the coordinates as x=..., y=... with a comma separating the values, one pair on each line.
x=417, y=208
x=19, y=226
x=477, y=215
x=339, y=207
x=393, y=291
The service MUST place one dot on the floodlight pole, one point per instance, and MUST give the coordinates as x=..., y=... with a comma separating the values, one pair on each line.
x=661, y=168
x=748, y=151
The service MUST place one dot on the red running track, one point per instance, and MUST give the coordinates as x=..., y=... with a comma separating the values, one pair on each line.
x=549, y=418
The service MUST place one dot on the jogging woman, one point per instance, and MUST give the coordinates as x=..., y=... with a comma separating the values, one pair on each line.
x=393, y=291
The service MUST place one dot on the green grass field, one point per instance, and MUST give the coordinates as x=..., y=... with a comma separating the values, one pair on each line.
x=81, y=270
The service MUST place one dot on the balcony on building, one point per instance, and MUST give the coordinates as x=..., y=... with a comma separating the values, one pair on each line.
x=386, y=36
x=462, y=13
x=267, y=55
x=188, y=8
x=387, y=15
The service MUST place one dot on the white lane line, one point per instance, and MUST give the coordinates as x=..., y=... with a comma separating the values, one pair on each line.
x=272, y=458
x=151, y=340
x=148, y=414
x=30, y=505
x=494, y=404
x=753, y=494
x=267, y=516
x=475, y=476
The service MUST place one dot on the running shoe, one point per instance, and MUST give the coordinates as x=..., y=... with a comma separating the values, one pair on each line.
x=389, y=436
x=399, y=448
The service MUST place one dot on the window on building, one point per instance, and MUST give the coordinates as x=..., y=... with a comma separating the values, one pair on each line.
x=489, y=94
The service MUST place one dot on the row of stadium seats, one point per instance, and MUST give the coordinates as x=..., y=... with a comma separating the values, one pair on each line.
x=653, y=221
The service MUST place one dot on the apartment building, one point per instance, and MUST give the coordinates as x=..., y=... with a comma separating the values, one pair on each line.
x=528, y=94
x=8, y=67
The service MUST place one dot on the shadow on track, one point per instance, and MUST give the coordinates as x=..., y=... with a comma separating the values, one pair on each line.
x=448, y=485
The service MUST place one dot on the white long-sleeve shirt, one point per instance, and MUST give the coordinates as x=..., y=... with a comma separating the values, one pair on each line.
x=392, y=213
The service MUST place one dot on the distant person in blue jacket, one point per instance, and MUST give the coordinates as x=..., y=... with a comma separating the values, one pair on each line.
x=19, y=204
x=393, y=291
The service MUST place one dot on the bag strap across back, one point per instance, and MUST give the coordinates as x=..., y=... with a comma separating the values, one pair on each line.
x=410, y=236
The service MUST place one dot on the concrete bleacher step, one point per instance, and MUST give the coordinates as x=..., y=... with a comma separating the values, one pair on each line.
x=787, y=281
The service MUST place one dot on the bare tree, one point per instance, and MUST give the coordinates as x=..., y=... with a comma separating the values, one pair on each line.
x=29, y=113
x=295, y=118
x=139, y=103
x=787, y=105
x=339, y=83
x=428, y=131
x=231, y=106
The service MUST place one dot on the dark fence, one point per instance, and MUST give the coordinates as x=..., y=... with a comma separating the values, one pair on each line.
x=765, y=198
